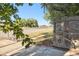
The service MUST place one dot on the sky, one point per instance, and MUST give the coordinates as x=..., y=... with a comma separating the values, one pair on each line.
x=35, y=11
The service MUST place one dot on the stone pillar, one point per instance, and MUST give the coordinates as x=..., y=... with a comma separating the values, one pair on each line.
x=67, y=33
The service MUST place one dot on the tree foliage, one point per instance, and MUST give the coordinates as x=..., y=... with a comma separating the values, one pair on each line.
x=29, y=22
x=57, y=11
x=7, y=11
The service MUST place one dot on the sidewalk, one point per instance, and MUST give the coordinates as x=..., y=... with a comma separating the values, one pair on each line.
x=40, y=51
x=72, y=52
x=5, y=42
x=10, y=48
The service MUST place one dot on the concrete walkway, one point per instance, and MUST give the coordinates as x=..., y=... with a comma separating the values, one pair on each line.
x=10, y=48
x=40, y=51
x=5, y=42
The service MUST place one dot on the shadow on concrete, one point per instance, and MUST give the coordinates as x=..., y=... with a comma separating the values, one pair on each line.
x=48, y=43
x=43, y=48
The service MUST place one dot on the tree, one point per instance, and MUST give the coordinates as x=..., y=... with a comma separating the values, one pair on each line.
x=68, y=9
x=30, y=22
x=8, y=10
x=56, y=11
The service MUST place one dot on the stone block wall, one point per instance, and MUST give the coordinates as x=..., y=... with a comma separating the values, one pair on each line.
x=67, y=33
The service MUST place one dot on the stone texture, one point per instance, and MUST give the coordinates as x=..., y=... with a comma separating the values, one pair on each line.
x=67, y=33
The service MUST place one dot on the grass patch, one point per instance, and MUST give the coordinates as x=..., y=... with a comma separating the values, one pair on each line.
x=41, y=32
